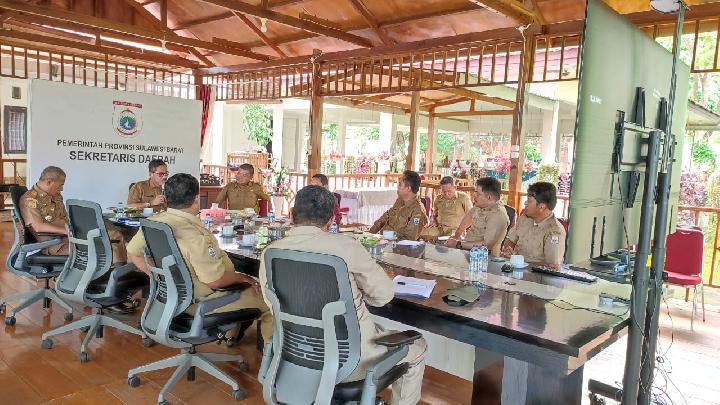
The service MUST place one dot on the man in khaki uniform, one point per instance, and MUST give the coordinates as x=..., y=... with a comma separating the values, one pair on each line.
x=487, y=221
x=312, y=215
x=43, y=211
x=538, y=235
x=148, y=193
x=243, y=193
x=407, y=216
x=210, y=267
x=449, y=208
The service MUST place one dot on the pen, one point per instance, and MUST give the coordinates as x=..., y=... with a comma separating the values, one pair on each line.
x=411, y=284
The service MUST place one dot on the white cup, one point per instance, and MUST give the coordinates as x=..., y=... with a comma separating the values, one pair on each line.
x=228, y=230
x=248, y=239
x=147, y=211
x=389, y=235
x=517, y=260
x=214, y=206
x=249, y=211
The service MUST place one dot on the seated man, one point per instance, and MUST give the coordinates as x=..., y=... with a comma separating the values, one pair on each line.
x=243, y=193
x=538, y=235
x=312, y=215
x=488, y=220
x=449, y=208
x=209, y=266
x=321, y=180
x=148, y=193
x=43, y=211
x=407, y=216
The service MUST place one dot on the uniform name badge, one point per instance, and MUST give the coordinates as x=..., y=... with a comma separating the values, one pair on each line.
x=554, y=239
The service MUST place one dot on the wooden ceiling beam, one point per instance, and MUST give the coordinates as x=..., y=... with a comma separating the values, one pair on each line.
x=203, y=20
x=473, y=113
x=254, y=28
x=282, y=3
x=145, y=56
x=99, y=23
x=509, y=8
x=146, y=2
x=372, y=22
x=449, y=101
x=294, y=22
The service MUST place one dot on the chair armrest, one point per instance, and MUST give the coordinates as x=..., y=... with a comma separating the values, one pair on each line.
x=234, y=287
x=398, y=339
x=51, y=235
x=207, y=305
x=31, y=247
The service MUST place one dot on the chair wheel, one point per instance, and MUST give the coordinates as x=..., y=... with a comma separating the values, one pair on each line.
x=84, y=357
x=2, y=308
x=239, y=395
x=10, y=321
x=243, y=366
x=69, y=317
x=47, y=344
x=163, y=402
x=147, y=342
x=134, y=381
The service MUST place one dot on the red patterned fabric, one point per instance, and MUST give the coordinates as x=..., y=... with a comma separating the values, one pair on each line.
x=205, y=96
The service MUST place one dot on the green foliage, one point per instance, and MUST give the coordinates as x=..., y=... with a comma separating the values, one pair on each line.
x=532, y=153
x=330, y=131
x=548, y=173
x=703, y=154
x=256, y=122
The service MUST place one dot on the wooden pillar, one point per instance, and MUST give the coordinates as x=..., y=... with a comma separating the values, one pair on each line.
x=430, y=151
x=316, y=120
x=412, y=142
x=517, y=138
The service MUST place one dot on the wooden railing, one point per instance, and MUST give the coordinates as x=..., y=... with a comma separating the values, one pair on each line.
x=347, y=181
x=217, y=170
x=697, y=212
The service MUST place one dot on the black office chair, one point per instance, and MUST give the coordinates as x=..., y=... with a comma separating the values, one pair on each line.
x=165, y=321
x=91, y=279
x=316, y=339
x=511, y=216
x=24, y=259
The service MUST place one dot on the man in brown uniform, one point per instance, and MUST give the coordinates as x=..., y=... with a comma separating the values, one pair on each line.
x=488, y=220
x=538, y=235
x=148, y=193
x=449, y=208
x=243, y=193
x=210, y=267
x=312, y=215
x=43, y=210
x=407, y=216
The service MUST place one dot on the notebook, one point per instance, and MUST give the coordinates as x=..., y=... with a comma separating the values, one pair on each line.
x=413, y=287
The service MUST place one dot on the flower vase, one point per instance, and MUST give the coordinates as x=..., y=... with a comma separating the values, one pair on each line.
x=278, y=202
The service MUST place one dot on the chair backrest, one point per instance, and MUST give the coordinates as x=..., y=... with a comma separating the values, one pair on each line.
x=317, y=335
x=171, y=288
x=684, y=251
x=565, y=223
x=263, y=204
x=90, y=254
x=338, y=198
x=511, y=216
x=22, y=233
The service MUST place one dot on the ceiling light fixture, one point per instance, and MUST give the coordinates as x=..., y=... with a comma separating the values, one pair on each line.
x=263, y=24
x=667, y=6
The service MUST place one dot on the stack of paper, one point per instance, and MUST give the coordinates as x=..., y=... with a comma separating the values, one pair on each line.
x=413, y=287
x=410, y=243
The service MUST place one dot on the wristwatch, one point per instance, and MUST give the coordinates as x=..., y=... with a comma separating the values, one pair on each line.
x=458, y=244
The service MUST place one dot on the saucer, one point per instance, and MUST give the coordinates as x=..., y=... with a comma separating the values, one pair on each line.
x=243, y=244
x=524, y=265
x=232, y=235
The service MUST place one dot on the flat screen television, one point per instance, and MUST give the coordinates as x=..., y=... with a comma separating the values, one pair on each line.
x=617, y=59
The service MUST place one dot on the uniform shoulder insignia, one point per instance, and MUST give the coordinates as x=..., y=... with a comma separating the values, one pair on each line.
x=554, y=239
x=211, y=251
x=416, y=221
x=31, y=202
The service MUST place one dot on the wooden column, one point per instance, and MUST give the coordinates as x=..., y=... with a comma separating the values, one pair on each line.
x=517, y=138
x=430, y=151
x=412, y=142
x=316, y=121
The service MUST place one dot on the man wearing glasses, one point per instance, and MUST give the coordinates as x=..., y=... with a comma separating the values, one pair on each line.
x=148, y=193
x=538, y=235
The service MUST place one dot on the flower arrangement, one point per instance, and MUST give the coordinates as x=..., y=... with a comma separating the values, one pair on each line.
x=502, y=163
x=335, y=155
x=363, y=164
x=384, y=155
x=694, y=193
x=277, y=181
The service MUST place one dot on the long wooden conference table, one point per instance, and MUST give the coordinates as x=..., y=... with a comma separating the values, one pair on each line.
x=531, y=333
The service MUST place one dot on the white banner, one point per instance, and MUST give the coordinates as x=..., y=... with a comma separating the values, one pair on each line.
x=104, y=139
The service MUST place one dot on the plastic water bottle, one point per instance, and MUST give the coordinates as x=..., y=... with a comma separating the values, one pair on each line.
x=271, y=216
x=333, y=228
x=474, y=263
x=208, y=222
x=484, y=257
